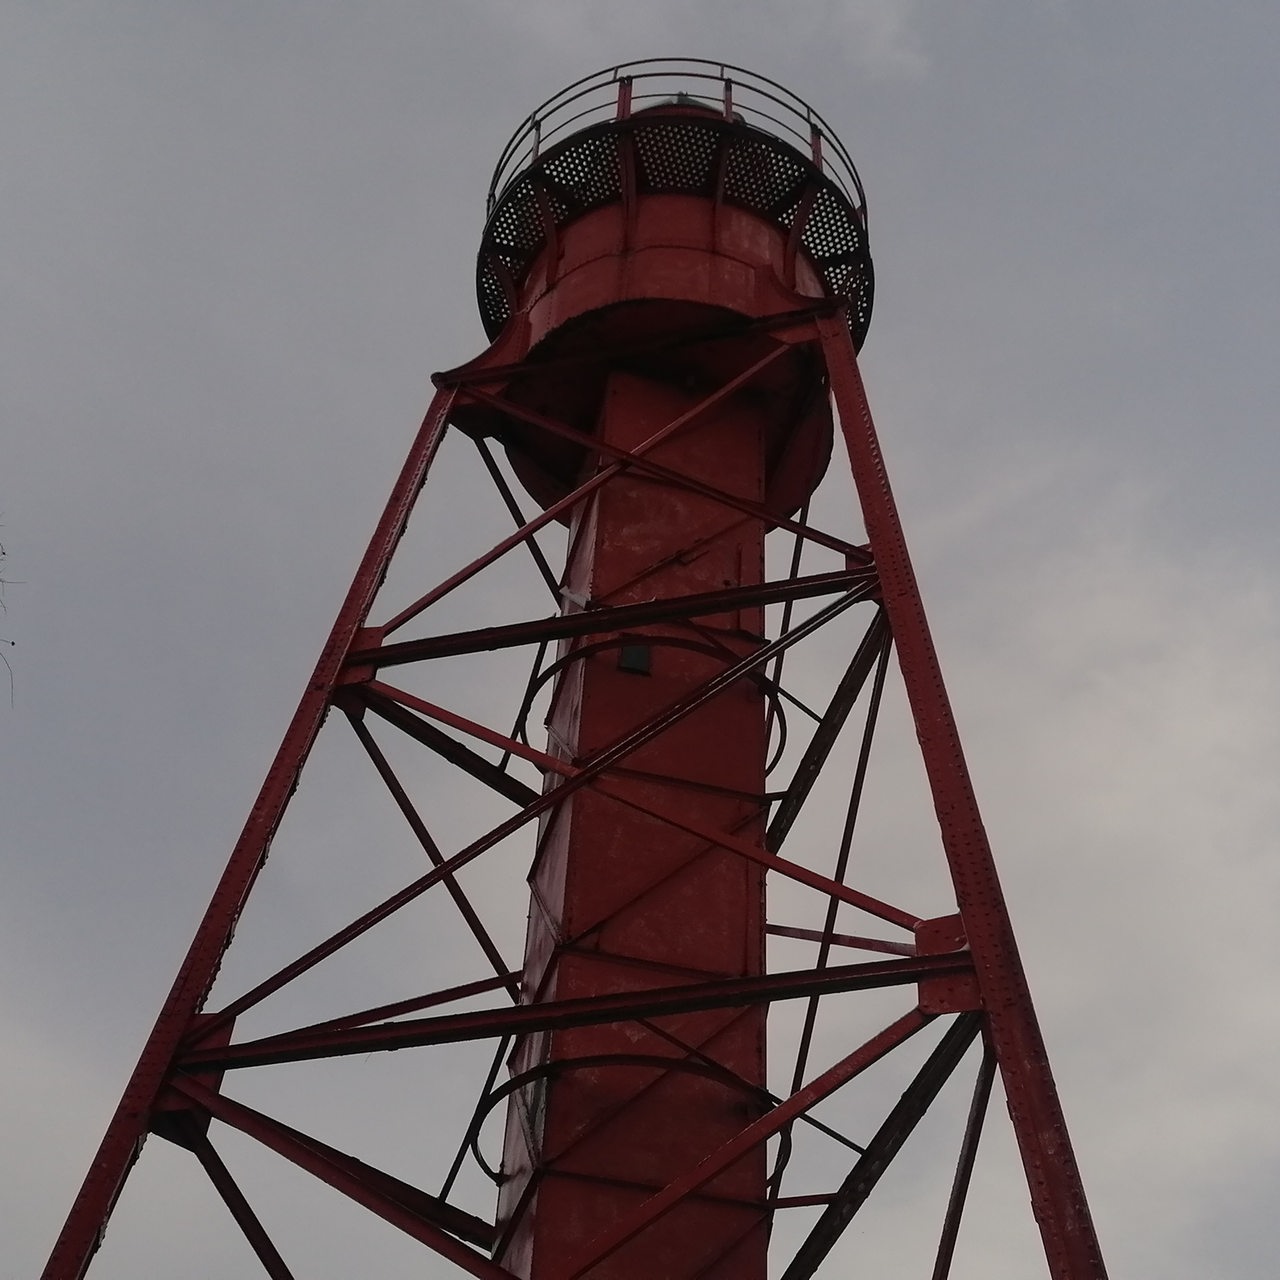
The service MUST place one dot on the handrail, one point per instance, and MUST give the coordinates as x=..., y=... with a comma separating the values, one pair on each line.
x=612, y=94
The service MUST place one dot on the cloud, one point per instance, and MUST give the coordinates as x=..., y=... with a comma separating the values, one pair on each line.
x=1121, y=705
x=885, y=35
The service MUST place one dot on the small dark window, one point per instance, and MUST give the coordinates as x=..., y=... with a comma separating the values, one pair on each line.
x=635, y=658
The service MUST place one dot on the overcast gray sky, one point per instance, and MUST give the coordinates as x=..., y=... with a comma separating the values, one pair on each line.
x=239, y=237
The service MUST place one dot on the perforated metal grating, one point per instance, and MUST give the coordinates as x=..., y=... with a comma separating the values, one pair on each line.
x=760, y=176
x=585, y=175
x=674, y=154
x=675, y=157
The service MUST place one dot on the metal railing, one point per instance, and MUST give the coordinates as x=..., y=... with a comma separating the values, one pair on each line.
x=619, y=92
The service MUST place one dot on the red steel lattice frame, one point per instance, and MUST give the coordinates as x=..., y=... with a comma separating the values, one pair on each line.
x=964, y=968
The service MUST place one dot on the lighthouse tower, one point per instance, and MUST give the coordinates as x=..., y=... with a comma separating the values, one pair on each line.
x=675, y=279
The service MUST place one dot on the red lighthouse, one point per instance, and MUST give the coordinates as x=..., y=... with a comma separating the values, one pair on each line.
x=675, y=278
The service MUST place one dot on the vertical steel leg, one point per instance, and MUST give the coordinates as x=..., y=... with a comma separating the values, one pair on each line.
x=1057, y=1193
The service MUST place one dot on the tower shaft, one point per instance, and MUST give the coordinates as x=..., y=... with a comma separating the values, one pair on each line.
x=624, y=900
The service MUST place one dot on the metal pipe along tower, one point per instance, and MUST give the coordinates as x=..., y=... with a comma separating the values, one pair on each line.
x=729, y=1011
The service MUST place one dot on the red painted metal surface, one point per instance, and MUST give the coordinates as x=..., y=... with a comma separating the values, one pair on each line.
x=1057, y=1192
x=622, y=901
x=676, y=285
